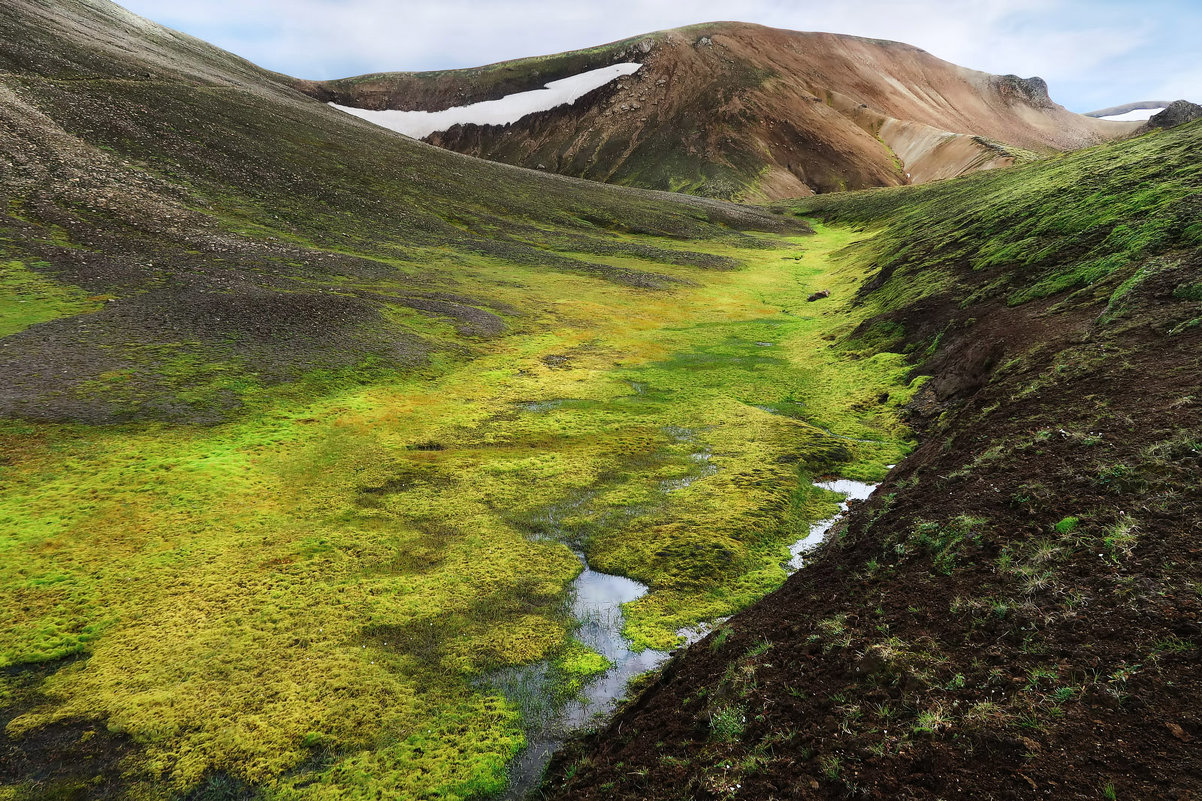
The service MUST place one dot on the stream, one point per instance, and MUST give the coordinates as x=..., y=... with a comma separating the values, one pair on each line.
x=852, y=491
x=597, y=600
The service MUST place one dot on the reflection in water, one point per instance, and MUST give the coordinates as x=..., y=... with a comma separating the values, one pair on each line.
x=597, y=604
x=854, y=491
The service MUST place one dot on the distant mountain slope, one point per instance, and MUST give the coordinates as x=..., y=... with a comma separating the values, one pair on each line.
x=735, y=110
x=199, y=199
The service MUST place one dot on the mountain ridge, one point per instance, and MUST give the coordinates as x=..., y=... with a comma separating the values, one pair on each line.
x=736, y=110
x=305, y=425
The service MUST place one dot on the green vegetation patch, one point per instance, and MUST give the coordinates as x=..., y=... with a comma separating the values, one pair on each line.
x=1043, y=228
x=27, y=298
x=310, y=596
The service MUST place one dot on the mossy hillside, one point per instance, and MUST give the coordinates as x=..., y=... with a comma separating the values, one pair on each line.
x=339, y=549
x=245, y=241
x=1062, y=224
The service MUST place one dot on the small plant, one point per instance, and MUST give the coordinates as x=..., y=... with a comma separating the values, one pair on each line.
x=932, y=720
x=1119, y=541
x=1117, y=681
x=1045, y=551
x=1113, y=476
x=834, y=629
x=1064, y=694
x=984, y=712
x=1037, y=674
x=1074, y=600
x=727, y=724
x=1173, y=645
x=943, y=541
x=1109, y=793
x=761, y=647
x=1037, y=581
x=1068, y=525
x=832, y=767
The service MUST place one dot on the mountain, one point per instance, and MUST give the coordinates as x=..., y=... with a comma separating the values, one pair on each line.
x=179, y=185
x=734, y=110
x=336, y=465
x=1131, y=110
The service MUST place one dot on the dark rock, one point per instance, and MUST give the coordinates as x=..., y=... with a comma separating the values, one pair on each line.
x=1179, y=112
x=1032, y=90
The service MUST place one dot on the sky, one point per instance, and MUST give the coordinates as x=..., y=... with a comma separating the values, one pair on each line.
x=1093, y=53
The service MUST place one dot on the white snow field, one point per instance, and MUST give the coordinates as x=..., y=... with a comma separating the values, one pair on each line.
x=1132, y=116
x=510, y=108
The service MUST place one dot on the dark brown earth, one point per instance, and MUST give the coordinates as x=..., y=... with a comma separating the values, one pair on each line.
x=734, y=110
x=962, y=637
x=63, y=757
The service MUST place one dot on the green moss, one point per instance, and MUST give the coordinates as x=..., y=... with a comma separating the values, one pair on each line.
x=27, y=298
x=1188, y=292
x=576, y=664
x=945, y=541
x=1047, y=227
x=1068, y=525
x=366, y=539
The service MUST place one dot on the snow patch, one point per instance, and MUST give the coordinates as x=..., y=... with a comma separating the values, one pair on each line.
x=510, y=108
x=1133, y=116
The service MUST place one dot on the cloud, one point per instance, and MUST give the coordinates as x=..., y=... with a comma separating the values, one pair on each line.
x=1185, y=85
x=1068, y=42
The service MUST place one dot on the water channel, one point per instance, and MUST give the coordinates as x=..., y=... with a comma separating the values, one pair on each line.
x=597, y=600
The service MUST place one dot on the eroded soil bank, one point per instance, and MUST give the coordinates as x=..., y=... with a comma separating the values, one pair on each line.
x=1016, y=612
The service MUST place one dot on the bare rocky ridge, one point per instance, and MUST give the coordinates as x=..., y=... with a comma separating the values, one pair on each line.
x=741, y=111
x=1176, y=113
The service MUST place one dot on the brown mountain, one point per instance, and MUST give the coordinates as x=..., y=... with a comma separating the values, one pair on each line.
x=735, y=110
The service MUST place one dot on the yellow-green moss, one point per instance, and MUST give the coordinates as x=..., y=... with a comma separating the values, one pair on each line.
x=336, y=568
x=28, y=298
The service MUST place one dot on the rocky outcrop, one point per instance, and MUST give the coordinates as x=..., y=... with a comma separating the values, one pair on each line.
x=1178, y=112
x=1025, y=90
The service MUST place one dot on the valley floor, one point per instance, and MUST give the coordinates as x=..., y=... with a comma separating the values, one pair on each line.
x=318, y=598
